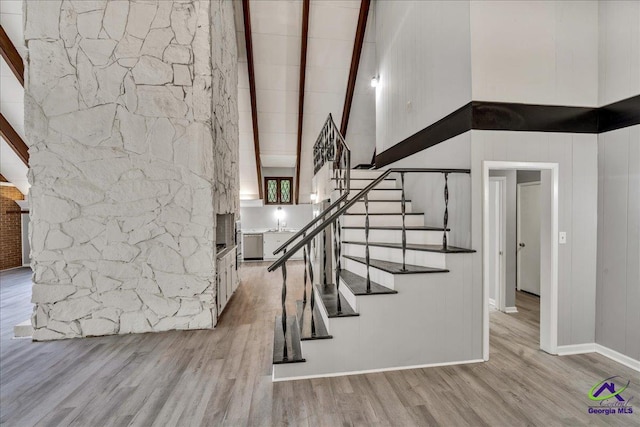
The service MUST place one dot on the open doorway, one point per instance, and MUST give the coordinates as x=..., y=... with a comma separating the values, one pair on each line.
x=520, y=238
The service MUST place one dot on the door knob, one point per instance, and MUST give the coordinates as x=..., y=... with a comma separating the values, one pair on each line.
x=521, y=245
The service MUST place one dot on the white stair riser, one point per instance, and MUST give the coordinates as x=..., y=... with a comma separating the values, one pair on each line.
x=348, y=295
x=422, y=237
x=395, y=195
x=378, y=276
x=359, y=184
x=323, y=310
x=358, y=220
x=421, y=258
x=380, y=207
x=365, y=174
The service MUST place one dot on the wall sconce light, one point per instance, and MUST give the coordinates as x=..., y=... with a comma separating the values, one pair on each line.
x=375, y=80
x=313, y=197
x=279, y=215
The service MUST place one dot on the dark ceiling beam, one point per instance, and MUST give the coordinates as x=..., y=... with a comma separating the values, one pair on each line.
x=11, y=56
x=14, y=140
x=355, y=63
x=246, y=13
x=303, y=69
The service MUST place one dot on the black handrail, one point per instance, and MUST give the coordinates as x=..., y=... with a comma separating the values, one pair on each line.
x=280, y=261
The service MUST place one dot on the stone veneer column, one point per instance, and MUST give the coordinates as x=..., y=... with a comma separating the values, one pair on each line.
x=131, y=118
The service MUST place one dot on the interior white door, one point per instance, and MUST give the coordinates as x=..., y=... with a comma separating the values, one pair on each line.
x=495, y=242
x=529, y=237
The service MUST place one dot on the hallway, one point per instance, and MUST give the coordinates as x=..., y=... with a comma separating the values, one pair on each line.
x=223, y=376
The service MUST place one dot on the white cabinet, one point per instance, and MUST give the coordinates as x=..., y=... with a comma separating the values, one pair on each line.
x=273, y=240
x=226, y=277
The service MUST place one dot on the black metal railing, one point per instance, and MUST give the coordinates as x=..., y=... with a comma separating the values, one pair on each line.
x=334, y=220
x=329, y=147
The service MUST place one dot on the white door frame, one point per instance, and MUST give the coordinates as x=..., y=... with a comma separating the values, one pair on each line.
x=518, y=231
x=548, y=298
x=502, y=229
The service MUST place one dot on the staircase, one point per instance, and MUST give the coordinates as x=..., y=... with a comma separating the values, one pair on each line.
x=395, y=295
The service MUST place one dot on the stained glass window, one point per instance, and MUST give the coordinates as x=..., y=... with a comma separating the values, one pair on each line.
x=272, y=191
x=285, y=191
x=278, y=190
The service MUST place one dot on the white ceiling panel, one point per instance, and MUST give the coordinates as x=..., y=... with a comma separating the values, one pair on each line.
x=243, y=75
x=278, y=77
x=278, y=161
x=279, y=123
x=329, y=53
x=278, y=17
x=332, y=21
x=325, y=79
x=276, y=50
x=278, y=143
x=244, y=100
x=276, y=101
x=12, y=168
x=11, y=21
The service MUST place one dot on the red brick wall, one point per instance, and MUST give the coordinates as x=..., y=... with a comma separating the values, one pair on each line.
x=10, y=228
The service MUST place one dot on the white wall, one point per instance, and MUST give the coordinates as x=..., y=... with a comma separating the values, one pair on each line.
x=537, y=52
x=618, y=295
x=618, y=292
x=423, y=55
x=426, y=190
x=296, y=216
x=619, y=50
x=577, y=157
x=361, y=132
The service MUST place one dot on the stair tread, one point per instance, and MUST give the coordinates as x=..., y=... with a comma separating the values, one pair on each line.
x=395, y=227
x=304, y=322
x=395, y=267
x=328, y=295
x=293, y=341
x=358, y=284
x=416, y=247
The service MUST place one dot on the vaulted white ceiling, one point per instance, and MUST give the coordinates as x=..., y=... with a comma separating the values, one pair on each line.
x=276, y=28
x=12, y=96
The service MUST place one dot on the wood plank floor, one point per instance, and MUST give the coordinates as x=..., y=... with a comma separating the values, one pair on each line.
x=223, y=376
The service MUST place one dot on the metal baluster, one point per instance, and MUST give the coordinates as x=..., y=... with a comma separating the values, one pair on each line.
x=338, y=247
x=313, y=294
x=304, y=257
x=324, y=257
x=446, y=210
x=285, y=354
x=366, y=239
x=404, y=228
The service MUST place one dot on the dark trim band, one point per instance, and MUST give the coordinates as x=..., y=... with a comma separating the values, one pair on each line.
x=486, y=115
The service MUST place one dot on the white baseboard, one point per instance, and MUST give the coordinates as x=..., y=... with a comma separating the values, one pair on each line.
x=373, y=371
x=510, y=310
x=566, y=350
x=618, y=357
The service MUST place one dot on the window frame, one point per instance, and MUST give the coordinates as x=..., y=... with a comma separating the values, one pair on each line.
x=278, y=180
